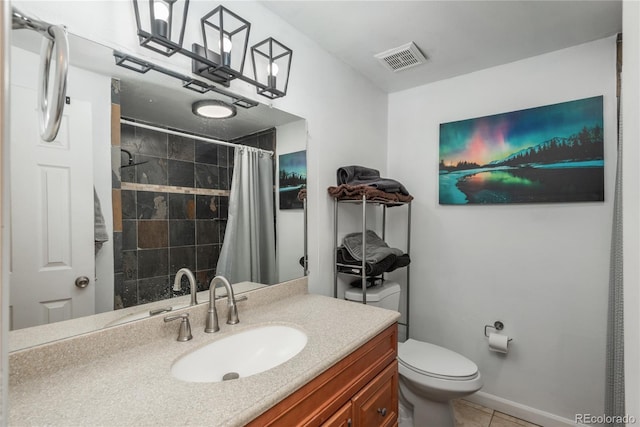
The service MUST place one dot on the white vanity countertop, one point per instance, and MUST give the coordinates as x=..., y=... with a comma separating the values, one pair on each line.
x=134, y=387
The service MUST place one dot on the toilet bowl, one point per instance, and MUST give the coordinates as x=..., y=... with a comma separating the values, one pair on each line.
x=430, y=376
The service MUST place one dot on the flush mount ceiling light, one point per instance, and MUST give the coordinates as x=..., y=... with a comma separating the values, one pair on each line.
x=221, y=55
x=213, y=109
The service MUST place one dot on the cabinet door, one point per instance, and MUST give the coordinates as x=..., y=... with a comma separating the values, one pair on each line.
x=377, y=403
x=319, y=399
x=342, y=418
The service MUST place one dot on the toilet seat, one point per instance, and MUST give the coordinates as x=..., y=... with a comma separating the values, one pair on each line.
x=435, y=361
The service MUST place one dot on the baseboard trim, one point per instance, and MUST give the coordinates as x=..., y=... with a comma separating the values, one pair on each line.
x=518, y=410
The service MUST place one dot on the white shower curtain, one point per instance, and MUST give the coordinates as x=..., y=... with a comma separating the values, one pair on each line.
x=248, y=248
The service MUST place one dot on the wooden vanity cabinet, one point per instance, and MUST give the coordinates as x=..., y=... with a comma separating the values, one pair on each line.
x=360, y=390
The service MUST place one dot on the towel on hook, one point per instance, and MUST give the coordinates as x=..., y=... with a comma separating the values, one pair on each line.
x=100, y=235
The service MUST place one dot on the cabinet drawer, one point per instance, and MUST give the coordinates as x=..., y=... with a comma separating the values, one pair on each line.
x=377, y=403
x=342, y=418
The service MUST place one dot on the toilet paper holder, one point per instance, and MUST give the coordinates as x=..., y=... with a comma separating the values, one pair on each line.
x=498, y=326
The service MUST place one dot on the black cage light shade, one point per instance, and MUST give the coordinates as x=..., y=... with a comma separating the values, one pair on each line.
x=225, y=36
x=161, y=24
x=221, y=57
x=271, y=67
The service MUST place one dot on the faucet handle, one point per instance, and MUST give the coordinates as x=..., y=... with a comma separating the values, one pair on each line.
x=184, y=333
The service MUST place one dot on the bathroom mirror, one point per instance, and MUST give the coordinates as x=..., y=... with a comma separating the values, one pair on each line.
x=99, y=92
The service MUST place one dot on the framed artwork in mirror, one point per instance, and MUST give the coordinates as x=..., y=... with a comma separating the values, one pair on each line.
x=292, y=177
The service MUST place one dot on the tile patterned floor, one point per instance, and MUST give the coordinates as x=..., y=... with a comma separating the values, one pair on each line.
x=469, y=414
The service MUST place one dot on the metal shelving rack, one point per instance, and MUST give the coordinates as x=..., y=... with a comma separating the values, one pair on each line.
x=362, y=269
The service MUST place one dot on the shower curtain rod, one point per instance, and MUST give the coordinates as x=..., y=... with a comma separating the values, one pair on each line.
x=187, y=135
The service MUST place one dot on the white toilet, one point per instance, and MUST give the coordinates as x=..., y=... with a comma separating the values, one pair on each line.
x=430, y=376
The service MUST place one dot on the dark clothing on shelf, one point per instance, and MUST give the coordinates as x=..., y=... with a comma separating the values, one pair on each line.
x=371, y=268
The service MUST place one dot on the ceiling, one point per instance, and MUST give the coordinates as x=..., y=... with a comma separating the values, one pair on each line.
x=457, y=37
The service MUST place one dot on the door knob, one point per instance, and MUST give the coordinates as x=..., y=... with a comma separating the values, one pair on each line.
x=82, y=282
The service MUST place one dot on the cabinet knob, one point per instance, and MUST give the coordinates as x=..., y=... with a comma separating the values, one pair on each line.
x=382, y=411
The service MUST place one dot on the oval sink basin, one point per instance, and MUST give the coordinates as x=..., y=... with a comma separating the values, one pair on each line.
x=240, y=355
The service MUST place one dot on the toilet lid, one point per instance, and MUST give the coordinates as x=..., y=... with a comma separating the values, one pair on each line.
x=435, y=361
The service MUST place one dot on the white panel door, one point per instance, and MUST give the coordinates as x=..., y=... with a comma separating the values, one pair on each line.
x=52, y=240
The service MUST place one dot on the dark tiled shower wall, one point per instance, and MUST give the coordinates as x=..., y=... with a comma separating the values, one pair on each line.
x=163, y=231
x=265, y=140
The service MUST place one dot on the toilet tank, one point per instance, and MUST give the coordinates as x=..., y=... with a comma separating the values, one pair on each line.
x=386, y=295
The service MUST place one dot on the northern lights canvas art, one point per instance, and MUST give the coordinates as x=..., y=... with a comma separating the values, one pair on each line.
x=292, y=178
x=548, y=154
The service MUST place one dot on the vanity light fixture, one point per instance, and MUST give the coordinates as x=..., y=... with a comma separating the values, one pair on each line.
x=221, y=57
x=141, y=66
x=213, y=109
x=160, y=24
x=271, y=66
x=226, y=37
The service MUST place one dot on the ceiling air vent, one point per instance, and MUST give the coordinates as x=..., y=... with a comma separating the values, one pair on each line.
x=401, y=58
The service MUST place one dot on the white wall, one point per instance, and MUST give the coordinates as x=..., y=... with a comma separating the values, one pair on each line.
x=541, y=269
x=291, y=137
x=346, y=115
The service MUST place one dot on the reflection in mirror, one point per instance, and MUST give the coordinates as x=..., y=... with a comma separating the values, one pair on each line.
x=118, y=199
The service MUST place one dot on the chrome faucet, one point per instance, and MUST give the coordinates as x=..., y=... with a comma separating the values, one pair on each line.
x=212, y=314
x=177, y=284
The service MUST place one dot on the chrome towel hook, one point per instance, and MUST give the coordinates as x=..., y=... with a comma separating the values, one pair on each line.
x=50, y=103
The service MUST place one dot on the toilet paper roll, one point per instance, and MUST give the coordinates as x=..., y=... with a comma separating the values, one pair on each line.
x=498, y=343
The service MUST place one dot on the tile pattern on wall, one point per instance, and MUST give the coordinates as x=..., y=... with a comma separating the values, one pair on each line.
x=174, y=209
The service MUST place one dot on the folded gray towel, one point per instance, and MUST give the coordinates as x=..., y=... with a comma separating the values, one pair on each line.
x=375, y=251
x=348, y=174
x=360, y=175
